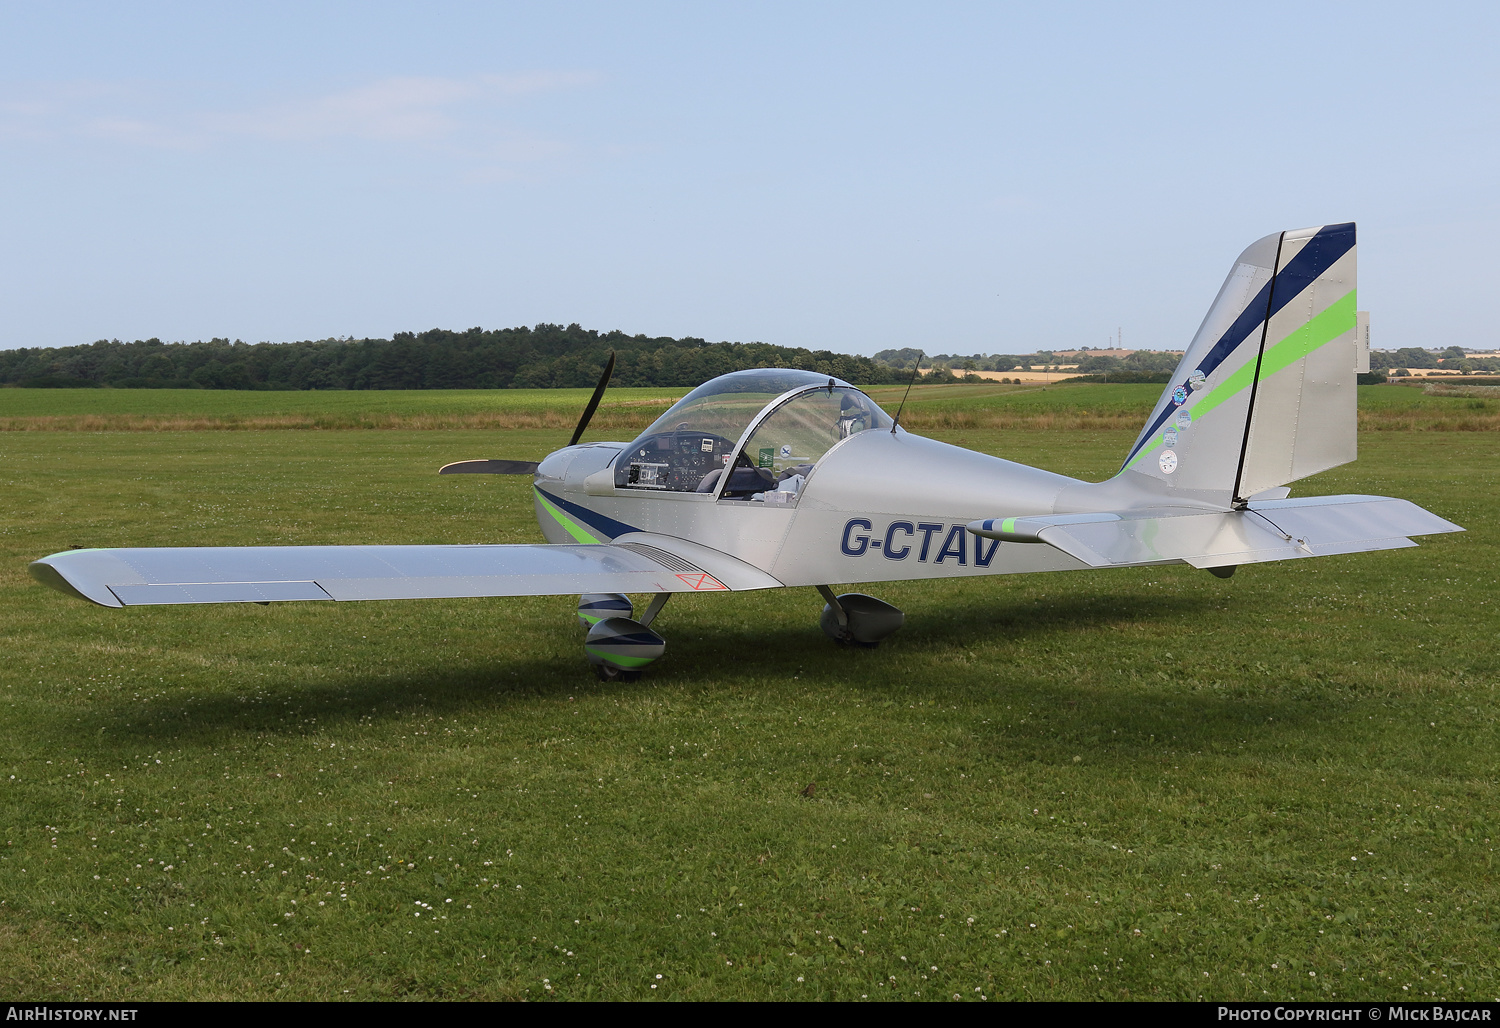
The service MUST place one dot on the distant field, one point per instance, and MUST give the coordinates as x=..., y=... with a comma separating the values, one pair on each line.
x=1103, y=406
x=1132, y=784
x=1118, y=406
x=1091, y=407
x=193, y=409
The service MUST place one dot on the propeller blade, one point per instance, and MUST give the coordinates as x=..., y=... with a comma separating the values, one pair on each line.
x=528, y=467
x=588, y=412
x=489, y=467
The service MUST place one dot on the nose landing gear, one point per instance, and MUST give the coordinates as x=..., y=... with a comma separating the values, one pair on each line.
x=618, y=647
x=855, y=619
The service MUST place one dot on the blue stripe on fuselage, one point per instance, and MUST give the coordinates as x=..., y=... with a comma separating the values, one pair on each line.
x=604, y=525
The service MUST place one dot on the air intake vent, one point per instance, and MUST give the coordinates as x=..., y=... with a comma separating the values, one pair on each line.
x=670, y=561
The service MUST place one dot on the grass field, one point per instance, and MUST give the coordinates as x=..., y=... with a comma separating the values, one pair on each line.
x=1141, y=783
x=1087, y=406
x=198, y=409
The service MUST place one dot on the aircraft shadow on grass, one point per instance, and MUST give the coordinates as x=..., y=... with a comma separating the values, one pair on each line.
x=1070, y=710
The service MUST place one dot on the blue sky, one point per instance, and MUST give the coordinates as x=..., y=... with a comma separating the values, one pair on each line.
x=962, y=178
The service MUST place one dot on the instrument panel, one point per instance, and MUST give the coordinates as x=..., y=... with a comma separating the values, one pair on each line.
x=675, y=461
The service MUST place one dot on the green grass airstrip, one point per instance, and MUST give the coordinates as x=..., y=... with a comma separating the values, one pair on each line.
x=1130, y=784
x=1092, y=406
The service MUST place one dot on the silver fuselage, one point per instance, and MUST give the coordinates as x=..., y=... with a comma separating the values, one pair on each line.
x=877, y=507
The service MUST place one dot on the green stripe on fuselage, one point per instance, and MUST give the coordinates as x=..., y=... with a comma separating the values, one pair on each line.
x=570, y=526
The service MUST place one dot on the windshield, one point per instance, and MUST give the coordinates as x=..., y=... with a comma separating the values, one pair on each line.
x=726, y=405
x=692, y=446
x=789, y=441
x=698, y=434
x=800, y=431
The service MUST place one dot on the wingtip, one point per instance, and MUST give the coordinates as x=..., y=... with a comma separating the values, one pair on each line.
x=53, y=578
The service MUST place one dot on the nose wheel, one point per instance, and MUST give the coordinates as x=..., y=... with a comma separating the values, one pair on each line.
x=609, y=673
x=617, y=646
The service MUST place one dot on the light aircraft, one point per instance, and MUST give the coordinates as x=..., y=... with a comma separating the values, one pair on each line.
x=775, y=478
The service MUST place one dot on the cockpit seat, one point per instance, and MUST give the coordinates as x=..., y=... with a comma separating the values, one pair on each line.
x=745, y=481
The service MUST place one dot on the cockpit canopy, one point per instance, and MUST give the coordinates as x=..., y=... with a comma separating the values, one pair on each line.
x=767, y=427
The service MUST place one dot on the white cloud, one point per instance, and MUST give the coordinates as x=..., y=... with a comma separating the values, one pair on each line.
x=391, y=110
x=539, y=81
x=502, y=159
x=400, y=109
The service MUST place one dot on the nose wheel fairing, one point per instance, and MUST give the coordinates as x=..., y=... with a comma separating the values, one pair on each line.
x=617, y=646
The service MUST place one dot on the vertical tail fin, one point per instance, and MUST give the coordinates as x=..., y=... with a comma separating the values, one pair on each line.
x=1264, y=394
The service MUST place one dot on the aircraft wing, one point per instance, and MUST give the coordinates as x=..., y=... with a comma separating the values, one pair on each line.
x=640, y=562
x=1265, y=530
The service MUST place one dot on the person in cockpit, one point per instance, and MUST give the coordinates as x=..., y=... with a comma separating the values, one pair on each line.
x=854, y=416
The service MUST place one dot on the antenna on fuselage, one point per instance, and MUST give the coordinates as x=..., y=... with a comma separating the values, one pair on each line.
x=916, y=369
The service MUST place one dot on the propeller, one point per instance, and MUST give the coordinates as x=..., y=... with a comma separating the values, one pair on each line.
x=528, y=467
x=588, y=412
x=489, y=467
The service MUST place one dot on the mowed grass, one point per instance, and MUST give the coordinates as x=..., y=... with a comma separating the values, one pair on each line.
x=937, y=408
x=1142, y=783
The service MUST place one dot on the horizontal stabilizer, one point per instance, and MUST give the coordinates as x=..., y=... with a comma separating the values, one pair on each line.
x=636, y=563
x=1266, y=530
x=489, y=467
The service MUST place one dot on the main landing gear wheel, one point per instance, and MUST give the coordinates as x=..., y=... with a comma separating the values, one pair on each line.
x=855, y=619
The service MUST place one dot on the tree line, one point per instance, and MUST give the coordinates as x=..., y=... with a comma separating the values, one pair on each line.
x=547, y=356
x=1454, y=358
x=1147, y=362
x=1156, y=362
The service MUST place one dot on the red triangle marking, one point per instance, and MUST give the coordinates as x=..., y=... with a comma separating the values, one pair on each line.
x=703, y=581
